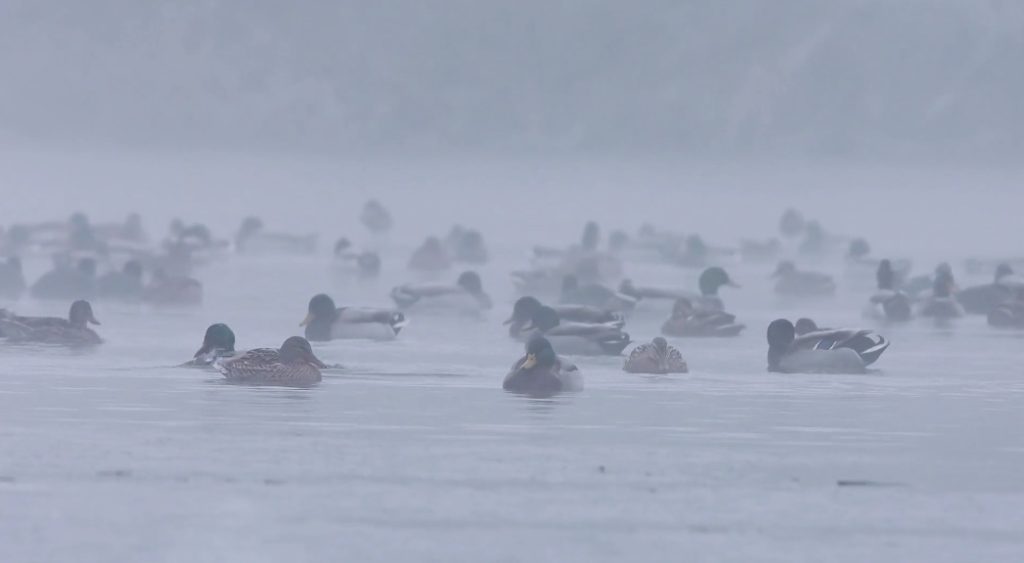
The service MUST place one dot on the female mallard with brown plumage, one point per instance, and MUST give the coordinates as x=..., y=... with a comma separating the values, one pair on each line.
x=657, y=358
x=293, y=365
x=72, y=331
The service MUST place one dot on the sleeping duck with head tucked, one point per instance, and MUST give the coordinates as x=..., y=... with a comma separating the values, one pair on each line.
x=822, y=350
x=293, y=365
x=325, y=321
x=581, y=339
x=525, y=307
x=72, y=331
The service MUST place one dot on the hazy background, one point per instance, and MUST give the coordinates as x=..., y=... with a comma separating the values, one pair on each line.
x=698, y=115
x=882, y=78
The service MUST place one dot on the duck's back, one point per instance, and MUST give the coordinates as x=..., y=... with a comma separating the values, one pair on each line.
x=264, y=366
x=837, y=361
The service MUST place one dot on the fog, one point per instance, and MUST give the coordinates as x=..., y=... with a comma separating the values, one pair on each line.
x=921, y=79
x=683, y=128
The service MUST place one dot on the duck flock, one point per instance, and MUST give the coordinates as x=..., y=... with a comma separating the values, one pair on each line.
x=572, y=301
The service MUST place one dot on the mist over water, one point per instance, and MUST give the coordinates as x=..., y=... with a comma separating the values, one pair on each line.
x=898, y=122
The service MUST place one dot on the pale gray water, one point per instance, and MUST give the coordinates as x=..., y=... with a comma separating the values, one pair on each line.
x=414, y=452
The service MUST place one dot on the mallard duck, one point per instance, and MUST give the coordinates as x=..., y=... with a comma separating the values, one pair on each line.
x=942, y=303
x=816, y=241
x=538, y=281
x=125, y=285
x=981, y=299
x=325, y=322
x=466, y=245
x=541, y=372
x=376, y=217
x=366, y=264
x=430, y=257
x=791, y=223
x=252, y=238
x=218, y=344
x=711, y=280
x=595, y=295
x=293, y=365
x=12, y=279
x=582, y=339
x=66, y=282
x=687, y=320
x=656, y=357
x=823, y=350
x=72, y=331
x=796, y=283
x=760, y=250
x=647, y=293
x=466, y=296
x=167, y=290
x=1010, y=314
x=888, y=302
x=525, y=307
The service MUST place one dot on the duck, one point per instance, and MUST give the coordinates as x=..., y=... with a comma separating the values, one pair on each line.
x=860, y=265
x=711, y=280
x=792, y=223
x=252, y=238
x=579, y=339
x=646, y=293
x=690, y=321
x=293, y=365
x=72, y=331
x=595, y=295
x=692, y=253
x=981, y=299
x=325, y=321
x=868, y=345
x=537, y=281
x=798, y=283
x=920, y=286
x=1009, y=314
x=124, y=285
x=541, y=372
x=760, y=250
x=167, y=290
x=942, y=304
x=816, y=242
x=823, y=351
x=218, y=344
x=466, y=246
x=466, y=296
x=525, y=307
x=888, y=302
x=430, y=257
x=375, y=217
x=66, y=282
x=655, y=357
x=366, y=264
x=12, y=279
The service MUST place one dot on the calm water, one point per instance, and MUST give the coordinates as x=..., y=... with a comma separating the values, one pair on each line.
x=414, y=453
